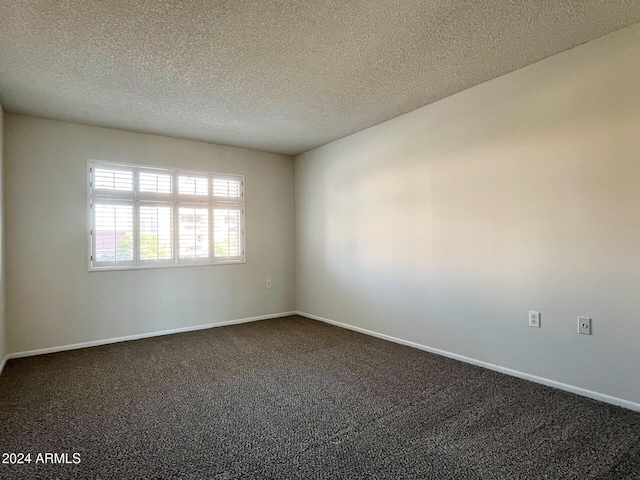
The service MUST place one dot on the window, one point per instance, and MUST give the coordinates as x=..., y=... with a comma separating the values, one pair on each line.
x=152, y=217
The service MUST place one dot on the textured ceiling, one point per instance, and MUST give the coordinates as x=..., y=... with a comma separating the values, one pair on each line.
x=276, y=75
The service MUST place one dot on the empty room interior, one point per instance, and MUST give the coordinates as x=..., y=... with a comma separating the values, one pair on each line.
x=334, y=239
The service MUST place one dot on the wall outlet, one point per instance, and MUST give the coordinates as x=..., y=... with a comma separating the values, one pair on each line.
x=534, y=319
x=269, y=283
x=584, y=325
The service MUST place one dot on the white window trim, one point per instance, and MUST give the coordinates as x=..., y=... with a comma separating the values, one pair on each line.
x=173, y=199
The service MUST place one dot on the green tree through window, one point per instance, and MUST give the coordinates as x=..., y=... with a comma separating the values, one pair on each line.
x=150, y=247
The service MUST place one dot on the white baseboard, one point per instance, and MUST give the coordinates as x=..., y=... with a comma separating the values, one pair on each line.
x=95, y=343
x=514, y=373
x=3, y=363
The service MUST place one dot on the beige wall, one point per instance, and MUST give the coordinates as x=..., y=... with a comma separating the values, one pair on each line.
x=51, y=298
x=3, y=340
x=446, y=225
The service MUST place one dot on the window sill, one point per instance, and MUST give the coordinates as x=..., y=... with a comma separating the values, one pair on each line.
x=112, y=268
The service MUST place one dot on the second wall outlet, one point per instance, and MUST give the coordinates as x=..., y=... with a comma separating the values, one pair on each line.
x=534, y=319
x=269, y=283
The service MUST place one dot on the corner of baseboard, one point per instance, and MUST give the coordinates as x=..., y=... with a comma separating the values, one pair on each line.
x=620, y=402
x=3, y=363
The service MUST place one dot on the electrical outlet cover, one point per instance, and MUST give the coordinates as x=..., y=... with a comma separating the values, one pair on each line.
x=534, y=319
x=584, y=325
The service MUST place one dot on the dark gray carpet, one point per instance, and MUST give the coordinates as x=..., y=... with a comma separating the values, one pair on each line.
x=295, y=398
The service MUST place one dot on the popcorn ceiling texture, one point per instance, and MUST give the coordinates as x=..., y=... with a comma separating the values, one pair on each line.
x=280, y=75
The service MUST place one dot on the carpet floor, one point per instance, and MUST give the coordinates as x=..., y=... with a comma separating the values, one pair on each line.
x=296, y=398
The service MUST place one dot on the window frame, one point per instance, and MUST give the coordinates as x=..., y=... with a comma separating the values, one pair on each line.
x=175, y=200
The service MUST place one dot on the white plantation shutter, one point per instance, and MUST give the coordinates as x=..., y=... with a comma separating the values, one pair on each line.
x=143, y=216
x=193, y=228
x=113, y=178
x=156, y=232
x=113, y=233
x=227, y=187
x=197, y=185
x=227, y=232
x=228, y=228
x=158, y=182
